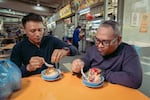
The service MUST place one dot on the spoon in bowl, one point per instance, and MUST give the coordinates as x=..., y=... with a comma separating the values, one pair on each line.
x=83, y=74
x=48, y=65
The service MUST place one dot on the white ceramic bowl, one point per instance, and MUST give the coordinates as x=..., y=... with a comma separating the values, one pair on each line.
x=93, y=84
x=50, y=77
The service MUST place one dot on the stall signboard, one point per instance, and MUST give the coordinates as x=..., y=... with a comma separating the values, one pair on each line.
x=91, y=2
x=66, y=11
x=84, y=11
x=87, y=3
x=82, y=4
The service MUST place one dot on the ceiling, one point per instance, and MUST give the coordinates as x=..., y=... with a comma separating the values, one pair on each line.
x=51, y=4
x=46, y=8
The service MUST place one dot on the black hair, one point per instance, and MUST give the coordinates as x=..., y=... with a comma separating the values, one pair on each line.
x=31, y=17
x=78, y=27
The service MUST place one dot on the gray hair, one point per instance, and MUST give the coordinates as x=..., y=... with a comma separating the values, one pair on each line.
x=113, y=24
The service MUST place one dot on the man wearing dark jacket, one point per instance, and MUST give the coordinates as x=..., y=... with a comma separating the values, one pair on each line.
x=31, y=53
x=118, y=61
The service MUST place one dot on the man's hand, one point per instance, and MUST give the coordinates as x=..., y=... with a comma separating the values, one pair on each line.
x=34, y=63
x=58, y=54
x=77, y=64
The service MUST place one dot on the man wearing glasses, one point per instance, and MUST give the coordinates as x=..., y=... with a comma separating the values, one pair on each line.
x=118, y=61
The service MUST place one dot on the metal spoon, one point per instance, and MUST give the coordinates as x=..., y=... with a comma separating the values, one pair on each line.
x=83, y=74
x=56, y=65
x=48, y=65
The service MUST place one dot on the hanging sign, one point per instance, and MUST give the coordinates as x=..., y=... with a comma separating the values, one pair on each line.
x=84, y=11
x=66, y=11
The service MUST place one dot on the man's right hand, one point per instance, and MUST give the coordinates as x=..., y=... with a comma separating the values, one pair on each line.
x=77, y=64
x=34, y=63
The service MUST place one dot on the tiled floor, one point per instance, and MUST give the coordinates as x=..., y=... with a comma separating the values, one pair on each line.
x=66, y=61
x=145, y=88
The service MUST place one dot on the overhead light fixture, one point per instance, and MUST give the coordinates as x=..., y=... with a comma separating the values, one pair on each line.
x=9, y=10
x=38, y=3
x=40, y=8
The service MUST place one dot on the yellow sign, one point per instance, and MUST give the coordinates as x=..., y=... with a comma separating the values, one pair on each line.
x=87, y=3
x=66, y=11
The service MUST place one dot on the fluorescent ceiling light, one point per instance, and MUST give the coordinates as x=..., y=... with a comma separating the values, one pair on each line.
x=39, y=8
x=38, y=4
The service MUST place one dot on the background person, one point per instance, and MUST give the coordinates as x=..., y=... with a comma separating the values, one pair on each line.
x=50, y=33
x=76, y=37
x=31, y=53
x=118, y=61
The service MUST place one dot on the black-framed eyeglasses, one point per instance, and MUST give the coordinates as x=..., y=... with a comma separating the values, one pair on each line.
x=104, y=42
